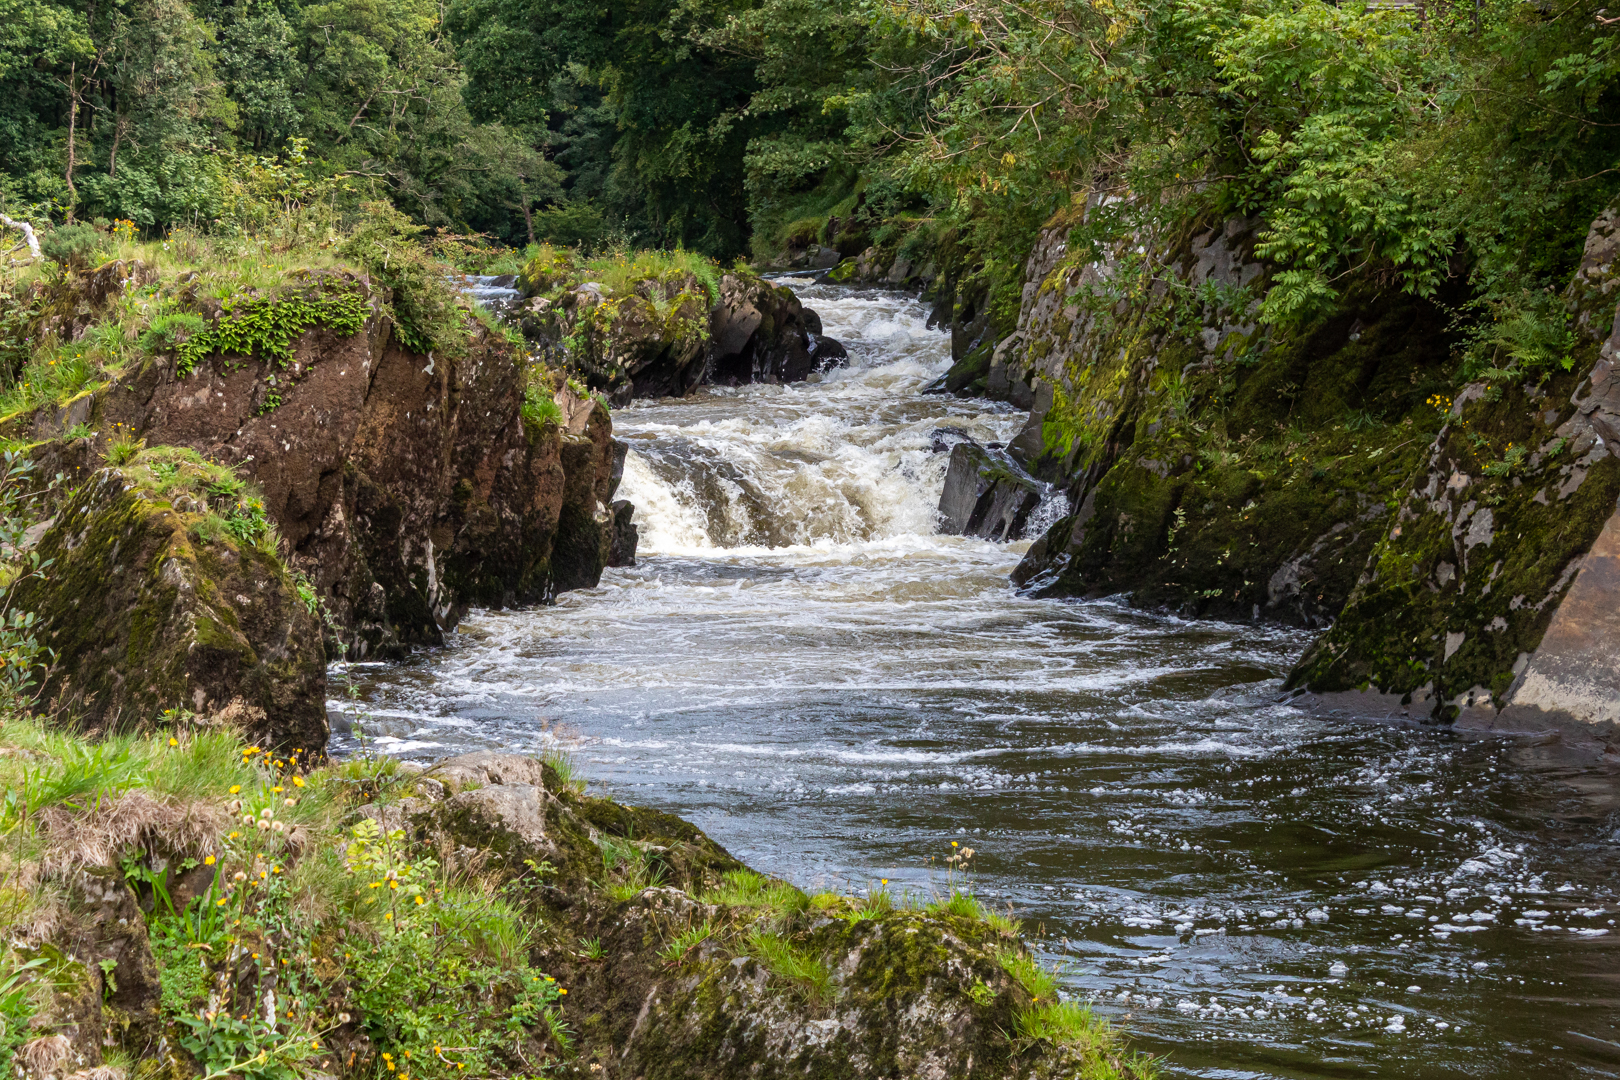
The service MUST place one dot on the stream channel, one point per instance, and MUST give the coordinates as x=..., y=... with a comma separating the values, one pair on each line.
x=801, y=666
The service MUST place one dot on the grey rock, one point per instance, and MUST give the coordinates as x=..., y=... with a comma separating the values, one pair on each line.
x=987, y=494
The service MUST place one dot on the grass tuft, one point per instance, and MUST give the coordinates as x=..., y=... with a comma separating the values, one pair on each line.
x=686, y=941
x=1041, y=982
x=777, y=955
x=744, y=888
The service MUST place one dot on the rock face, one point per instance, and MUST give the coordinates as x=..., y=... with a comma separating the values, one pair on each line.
x=666, y=335
x=1214, y=467
x=905, y=993
x=986, y=494
x=1491, y=597
x=408, y=488
x=145, y=615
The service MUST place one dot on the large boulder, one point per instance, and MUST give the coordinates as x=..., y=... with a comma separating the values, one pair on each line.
x=669, y=332
x=149, y=606
x=987, y=494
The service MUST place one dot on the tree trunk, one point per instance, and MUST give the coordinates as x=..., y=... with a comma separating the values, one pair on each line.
x=73, y=125
x=118, y=137
x=528, y=218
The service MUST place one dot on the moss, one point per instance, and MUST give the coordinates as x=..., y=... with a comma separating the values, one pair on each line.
x=1444, y=609
x=147, y=619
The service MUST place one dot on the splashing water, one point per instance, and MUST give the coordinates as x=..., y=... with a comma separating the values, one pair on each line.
x=804, y=668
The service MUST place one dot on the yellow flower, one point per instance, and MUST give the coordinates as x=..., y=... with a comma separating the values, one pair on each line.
x=298, y=781
x=174, y=742
x=235, y=788
x=220, y=902
x=953, y=843
x=560, y=990
x=276, y=789
x=209, y=861
x=390, y=915
x=419, y=900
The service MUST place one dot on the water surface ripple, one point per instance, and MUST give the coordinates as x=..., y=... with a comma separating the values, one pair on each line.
x=800, y=666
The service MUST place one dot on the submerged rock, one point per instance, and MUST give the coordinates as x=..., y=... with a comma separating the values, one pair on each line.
x=986, y=494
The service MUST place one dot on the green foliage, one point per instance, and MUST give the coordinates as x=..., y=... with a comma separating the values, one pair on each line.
x=268, y=326
x=18, y=990
x=428, y=312
x=781, y=958
x=75, y=246
x=744, y=888
x=685, y=941
x=1039, y=981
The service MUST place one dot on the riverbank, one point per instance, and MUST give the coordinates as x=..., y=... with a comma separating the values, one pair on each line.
x=189, y=904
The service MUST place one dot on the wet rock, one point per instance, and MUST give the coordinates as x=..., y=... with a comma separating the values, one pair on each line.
x=986, y=494
x=827, y=353
x=625, y=535
x=1489, y=600
x=942, y=439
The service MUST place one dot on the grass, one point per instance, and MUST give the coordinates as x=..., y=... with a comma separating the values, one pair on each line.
x=744, y=888
x=431, y=955
x=230, y=505
x=628, y=869
x=1071, y=1024
x=1041, y=982
x=687, y=940
x=777, y=955
x=562, y=763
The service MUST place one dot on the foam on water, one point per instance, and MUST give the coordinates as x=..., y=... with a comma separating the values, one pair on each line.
x=803, y=667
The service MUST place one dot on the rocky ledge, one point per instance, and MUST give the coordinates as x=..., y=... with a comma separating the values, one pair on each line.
x=664, y=325
x=390, y=489
x=487, y=917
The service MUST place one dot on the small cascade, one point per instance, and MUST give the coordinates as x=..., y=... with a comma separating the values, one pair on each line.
x=851, y=456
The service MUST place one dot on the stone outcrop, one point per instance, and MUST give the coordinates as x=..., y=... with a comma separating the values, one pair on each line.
x=907, y=993
x=144, y=612
x=987, y=494
x=1490, y=598
x=407, y=488
x=669, y=332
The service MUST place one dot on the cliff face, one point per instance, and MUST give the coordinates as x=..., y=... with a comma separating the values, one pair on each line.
x=407, y=488
x=1326, y=476
x=399, y=490
x=1212, y=467
x=1492, y=598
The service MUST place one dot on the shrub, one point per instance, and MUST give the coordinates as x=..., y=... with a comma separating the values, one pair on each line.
x=75, y=247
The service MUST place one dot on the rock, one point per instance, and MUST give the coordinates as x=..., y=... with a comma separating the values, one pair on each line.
x=406, y=488
x=986, y=494
x=827, y=353
x=145, y=615
x=942, y=439
x=903, y=993
x=625, y=535
x=1502, y=617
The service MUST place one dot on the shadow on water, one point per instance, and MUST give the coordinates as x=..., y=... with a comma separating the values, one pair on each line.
x=1252, y=890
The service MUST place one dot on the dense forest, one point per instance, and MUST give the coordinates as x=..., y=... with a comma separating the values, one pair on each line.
x=1448, y=143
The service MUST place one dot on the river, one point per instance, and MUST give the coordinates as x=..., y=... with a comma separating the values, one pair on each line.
x=802, y=667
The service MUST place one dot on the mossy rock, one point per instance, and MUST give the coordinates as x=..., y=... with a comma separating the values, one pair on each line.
x=149, y=621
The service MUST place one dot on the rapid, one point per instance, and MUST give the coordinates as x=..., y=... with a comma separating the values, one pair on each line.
x=802, y=667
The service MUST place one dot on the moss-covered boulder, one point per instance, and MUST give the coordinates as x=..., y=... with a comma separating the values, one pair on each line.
x=158, y=602
x=663, y=325
x=698, y=967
